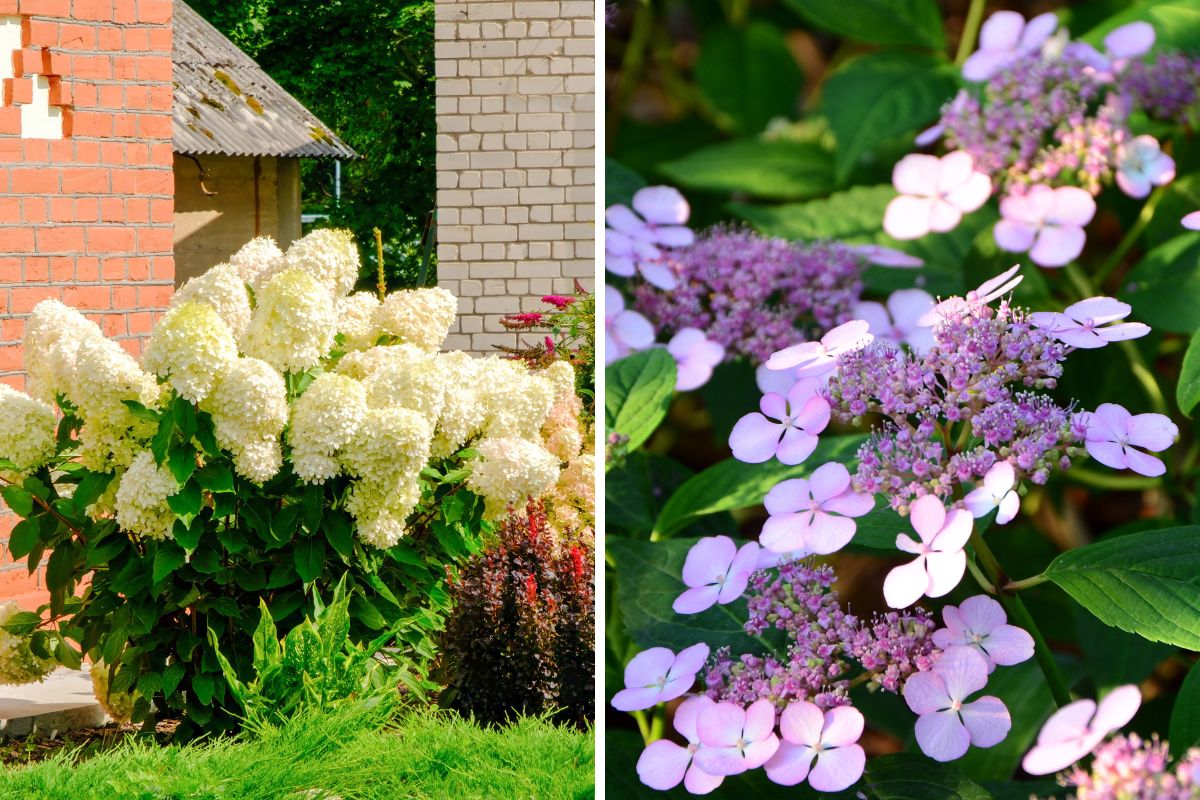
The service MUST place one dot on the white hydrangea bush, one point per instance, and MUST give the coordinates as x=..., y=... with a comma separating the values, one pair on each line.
x=280, y=430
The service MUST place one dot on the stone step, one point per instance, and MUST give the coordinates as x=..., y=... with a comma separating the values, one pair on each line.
x=62, y=702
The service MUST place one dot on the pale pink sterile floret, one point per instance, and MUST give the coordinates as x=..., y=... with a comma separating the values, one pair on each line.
x=886, y=256
x=1119, y=439
x=715, y=571
x=664, y=764
x=813, y=515
x=1047, y=223
x=659, y=675
x=1089, y=324
x=736, y=739
x=1191, y=221
x=934, y=194
x=947, y=724
x=786, y=428
x=695, y=357
x=988, y=291
x=1142, y=165
x=1076, y=729
x=815, y=359
x=625, y=331
x=655, y=221
x=997, y=492
x=940, y=560
x=980, y=622
x=1004, y=38
x=899, y=321
x=821, y=747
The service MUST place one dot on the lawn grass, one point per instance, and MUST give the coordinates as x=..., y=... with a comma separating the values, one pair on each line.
x=330, y=755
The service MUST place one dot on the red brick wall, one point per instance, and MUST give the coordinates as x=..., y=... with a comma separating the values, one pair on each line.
x=87, y=218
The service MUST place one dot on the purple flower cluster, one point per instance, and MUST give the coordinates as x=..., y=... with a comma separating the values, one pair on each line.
x=1167, y=88
x=1131, y=768
x=824, y=642
x=755, y=294
x=978, y=376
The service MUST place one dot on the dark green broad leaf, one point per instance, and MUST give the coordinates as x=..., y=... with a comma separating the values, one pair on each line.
x=748, y=75
x=649, y=579
x=905, y=776
x=89, y=489
x=1114, y=657
x=1187, y=391
x=1185, y=719
x=878, y=528
x=215, y=477
x=167, y=559
x=1145, y=583
x=732, y=484
x=339, y=530
x=638, y=391
x=309, y=556
x=22, y=623
x=187, y=502
x=60, y=568
x=141, y=412
x=205, y=685
x=19, y=501
x=878, y=96
x=25, y=534
x=773, y=169
x=1176, y=22
x=620, y=183
x=1164, y=288
x=634, y=492
x=898, y=22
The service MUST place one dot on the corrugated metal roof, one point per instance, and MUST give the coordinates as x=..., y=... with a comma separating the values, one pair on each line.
x=226, y=104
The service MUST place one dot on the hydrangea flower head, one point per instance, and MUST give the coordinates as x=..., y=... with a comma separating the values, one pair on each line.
x=1075, y=729
x=191, y=346
x=821, y=746
x=736, y=739
x=224, y=289
x=1119, y=439
x=27, y=429
x=294, y=323
x=141, y=501
x=259, y=256
x=948, y=724
x=716, y=571
x=695, y=356
x=508, y=471
x=940, y=560
x=1004, y=38
x=18, y=664
x=328, y=254
x=813, y=515
x=420, y=317
x=980, y=622
x=934, y=194
x=1047, y=223
x=659, y=675
x=664, y=764
x=786, y=428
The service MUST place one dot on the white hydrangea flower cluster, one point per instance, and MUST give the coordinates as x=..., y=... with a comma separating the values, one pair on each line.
x=17, y=663
x=223, y=288
x=572, y=502
x=249, y=409
x=141, y=502
x=324, y=420
x=118, y=705
x=192, y=347
x=386, y=454
x=405, y=376
x=463, y=414
x=509, y=470
x=517, y=400
x=294, y=323
x=53, y=333
x=356, y=320
x=27, y=428
x=420, y=317
x=257, y=257
x=329, y=255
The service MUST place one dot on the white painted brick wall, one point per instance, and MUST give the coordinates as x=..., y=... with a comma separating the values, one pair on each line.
x=515, y=158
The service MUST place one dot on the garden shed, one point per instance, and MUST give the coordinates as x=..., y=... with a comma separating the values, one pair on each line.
x=238, y=139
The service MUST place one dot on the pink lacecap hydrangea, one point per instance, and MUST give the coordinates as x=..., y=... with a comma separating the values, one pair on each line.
x=625, y=331
x=1076, y=729
x=1004, y=38
x=736, y=739
x=658, y=675
x=1142, y=165
x=813, y=515
x=899, y=322
x=786, y=428
x=695, y=357
x=816, y=359
x=1119, y=439
x=664, y=764
x=940, y=560
x=980, y=622
x=820, y=746
x=715, y=571
x=997, y=492
x=934, y=194
x=1047, y=223
x=1090, y=323
x=948, y=724
x=636, y=237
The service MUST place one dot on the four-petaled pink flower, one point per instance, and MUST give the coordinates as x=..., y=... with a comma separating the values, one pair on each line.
x=1114, y=436
x=632, y=242
x=695, y=356
x=787, y=428
x=934, y=194
x=1142, y=165
x=988, y=291
x=814, y=359
x=1048, y=223
x=813, y=515
x=736, y=739
x=948, y=725
x=885, y=256
x=1004, y=38
x=658, y=675
x=625, y=331
x=1075, y=730
x=1086, y=324
x=822, y=747
x=998, y=491
x=980, y=622
x=717, y=571
x=940, y=560
x=664, y=764
x=899, y=322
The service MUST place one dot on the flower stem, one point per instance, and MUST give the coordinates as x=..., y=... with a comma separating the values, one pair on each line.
x=970, y=31
x=1130, y=237
x=1102, y=481
x=1020, y=615
x=1027, y=583
x=979, y=577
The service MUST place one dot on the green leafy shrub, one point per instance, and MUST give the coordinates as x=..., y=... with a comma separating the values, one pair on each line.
x=520, y=640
